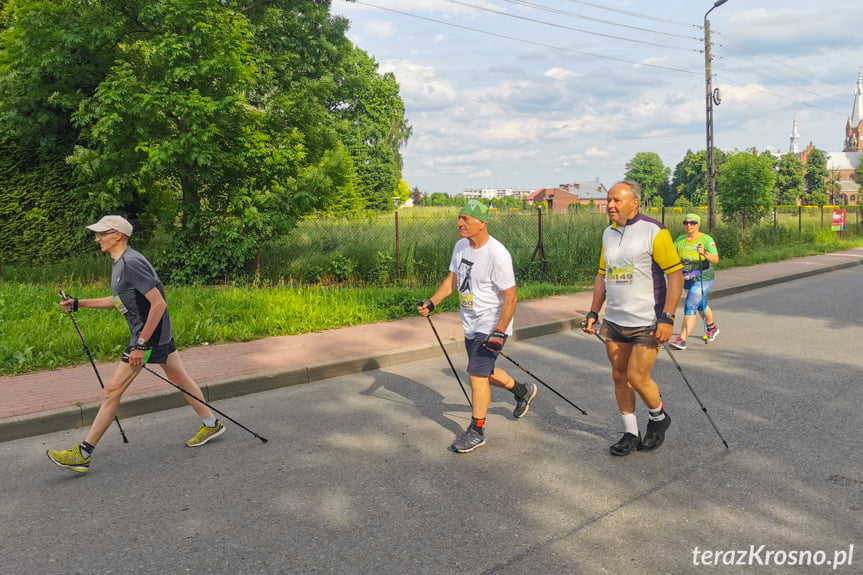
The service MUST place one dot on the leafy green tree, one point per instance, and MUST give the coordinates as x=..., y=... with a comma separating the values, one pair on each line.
x=372, y=126
x=790, y=183
x=816, y=178
x=226, y=120
x=690, y=178
x=647, y=169
x=746, y=184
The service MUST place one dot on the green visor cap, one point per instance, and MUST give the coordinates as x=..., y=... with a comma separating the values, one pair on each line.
x=476, y=209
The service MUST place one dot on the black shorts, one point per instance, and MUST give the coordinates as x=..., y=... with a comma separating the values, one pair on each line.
x=480, y=361
x=158, y=354
x=644, y=335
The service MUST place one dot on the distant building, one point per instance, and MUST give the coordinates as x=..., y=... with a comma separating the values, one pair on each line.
x=843, y=165
x=560, y=198
x=494, y=193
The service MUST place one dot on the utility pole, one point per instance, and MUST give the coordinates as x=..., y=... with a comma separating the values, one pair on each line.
x=709, y=99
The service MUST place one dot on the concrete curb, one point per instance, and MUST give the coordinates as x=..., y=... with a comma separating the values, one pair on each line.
x=18, y=427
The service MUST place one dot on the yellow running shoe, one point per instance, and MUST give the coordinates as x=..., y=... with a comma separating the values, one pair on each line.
x=70, y=459
x=205, y=434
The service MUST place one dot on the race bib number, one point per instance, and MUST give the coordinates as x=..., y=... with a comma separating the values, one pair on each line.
x=118, y=303
x=466, y=300
x=620, y=275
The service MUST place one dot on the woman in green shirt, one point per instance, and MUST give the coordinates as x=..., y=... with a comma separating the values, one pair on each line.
x=698, y=253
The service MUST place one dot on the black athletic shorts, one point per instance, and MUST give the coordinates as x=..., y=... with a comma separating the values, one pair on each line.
x=158, y=354
x=480, y=361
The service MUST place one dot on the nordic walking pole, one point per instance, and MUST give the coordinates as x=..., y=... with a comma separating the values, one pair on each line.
x=703, y=296
x=452, y=367
x=704, y=409
x=229, y=418
x=542, y=382
x=93, y=363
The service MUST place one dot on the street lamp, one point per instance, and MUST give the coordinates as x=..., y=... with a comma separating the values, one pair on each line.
x=709, y=98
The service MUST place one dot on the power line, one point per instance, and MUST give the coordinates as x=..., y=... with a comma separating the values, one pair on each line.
x=637, y=15
x=592, y=19
x=552, y=24
x=531, y=42
x=796, y=101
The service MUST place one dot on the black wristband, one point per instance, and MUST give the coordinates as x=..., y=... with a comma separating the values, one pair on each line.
x=74, y=304
x=429, y=305
x=592, y=315
x=666, y=318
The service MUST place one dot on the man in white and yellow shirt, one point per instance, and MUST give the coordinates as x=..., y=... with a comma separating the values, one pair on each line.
x=640, y=280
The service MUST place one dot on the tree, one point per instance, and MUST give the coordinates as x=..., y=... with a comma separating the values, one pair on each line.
x=746, y=185
x=402, y=192
x=690, y=178
x=790, y=183
x=225, y=120
x=816, y=178
x=417, y=196
x=372, y=125
x=647, y=169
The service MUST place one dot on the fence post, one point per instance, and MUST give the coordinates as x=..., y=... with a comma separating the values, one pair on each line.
x=799, y=220
x=744, y=226
x=822, y=217
x=663, y=214
x=398, y=249
x=540, y=248
x=775, y=218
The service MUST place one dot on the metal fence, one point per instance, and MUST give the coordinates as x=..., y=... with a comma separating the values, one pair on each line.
x=414, y=245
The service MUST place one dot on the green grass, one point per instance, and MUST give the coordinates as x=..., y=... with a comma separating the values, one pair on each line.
x=331, y=273
x=36, y=335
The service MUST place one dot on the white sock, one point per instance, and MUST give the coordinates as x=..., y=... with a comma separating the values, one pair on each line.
x=630, y=423
x=657, y=414
x=210, y=421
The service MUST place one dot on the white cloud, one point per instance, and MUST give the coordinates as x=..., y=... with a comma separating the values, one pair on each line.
x=380, y=28
x=526, y=116
x=561, y=74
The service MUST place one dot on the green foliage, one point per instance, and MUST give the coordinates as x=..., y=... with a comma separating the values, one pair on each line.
x=38, y=216
x=816, y=178
x=746, y=185
x=222, y=120
x=647, y=169
x=790, y=183
x=690, y=177
x=38, y=335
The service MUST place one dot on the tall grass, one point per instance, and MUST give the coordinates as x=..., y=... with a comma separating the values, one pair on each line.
x=331, y=273
x=35, y=334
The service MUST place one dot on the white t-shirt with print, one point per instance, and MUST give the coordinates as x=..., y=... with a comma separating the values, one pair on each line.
x=483, y=274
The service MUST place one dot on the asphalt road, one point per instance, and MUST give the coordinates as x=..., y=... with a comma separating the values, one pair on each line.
x=356, y=477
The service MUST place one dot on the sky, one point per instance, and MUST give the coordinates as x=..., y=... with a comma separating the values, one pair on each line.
x=526, y=94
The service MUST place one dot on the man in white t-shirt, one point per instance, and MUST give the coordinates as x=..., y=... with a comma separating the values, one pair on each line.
x=481, y=272
x=639, y=280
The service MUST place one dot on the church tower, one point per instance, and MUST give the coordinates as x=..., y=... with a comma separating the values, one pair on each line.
x=854, y=127
x=795, y=140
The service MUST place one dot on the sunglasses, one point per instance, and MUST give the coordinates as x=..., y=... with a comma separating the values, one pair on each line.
x=689, y=223
x=108, y=233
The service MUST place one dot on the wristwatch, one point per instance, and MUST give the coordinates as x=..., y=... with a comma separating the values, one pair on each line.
x=666, y=318
x=142, y=344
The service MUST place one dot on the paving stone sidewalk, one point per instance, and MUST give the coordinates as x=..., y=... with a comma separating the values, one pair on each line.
x=49, y=401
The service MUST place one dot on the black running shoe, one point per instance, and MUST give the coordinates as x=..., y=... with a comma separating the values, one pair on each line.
x=522, y=404
x=655, y=434
x=627, y=444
